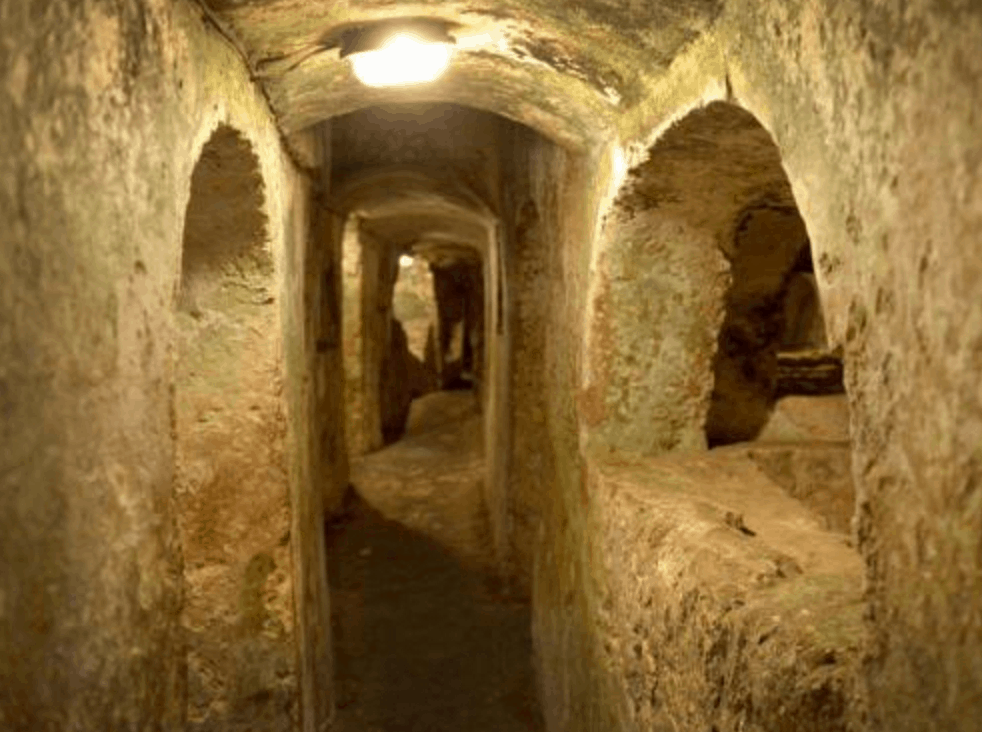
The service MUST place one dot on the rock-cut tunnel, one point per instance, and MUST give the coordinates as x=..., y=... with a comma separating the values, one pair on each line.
x=588, y=367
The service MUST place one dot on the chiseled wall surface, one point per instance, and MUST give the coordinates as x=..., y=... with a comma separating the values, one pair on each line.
x=531, y=248
x=104, y=112
x=547, y=211
x=875, y=109
x=231, y=485
x=318, y=466
x=322, y=266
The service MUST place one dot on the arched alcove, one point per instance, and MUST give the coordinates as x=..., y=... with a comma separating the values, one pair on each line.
x=704, y=276
x=774, y=377
x=231, y=486
x=703, y=314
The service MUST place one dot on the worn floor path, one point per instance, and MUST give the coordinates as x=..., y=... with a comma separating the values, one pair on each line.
x=424, y=642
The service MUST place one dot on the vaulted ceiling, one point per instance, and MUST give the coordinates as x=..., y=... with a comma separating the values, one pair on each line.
x=566, y=69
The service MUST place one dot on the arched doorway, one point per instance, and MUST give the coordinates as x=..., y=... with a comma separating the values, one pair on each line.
x=702, y=305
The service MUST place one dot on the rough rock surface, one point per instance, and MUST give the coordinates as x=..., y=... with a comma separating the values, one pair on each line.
x=104, y=112
x=562, y=69
x=607, y=290
x=425, y=640
x=725, y=605
x=231, y=487
x=414, y=305
x=440, y=409
x=806, y=418
x=819, y=474
x=430, y=482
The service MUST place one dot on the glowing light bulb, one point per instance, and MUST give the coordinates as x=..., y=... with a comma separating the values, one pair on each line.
x=406, y=261
x=401, y=61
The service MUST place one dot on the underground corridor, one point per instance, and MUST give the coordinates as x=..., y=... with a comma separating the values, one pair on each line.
x=510, y=365
x=426, y=634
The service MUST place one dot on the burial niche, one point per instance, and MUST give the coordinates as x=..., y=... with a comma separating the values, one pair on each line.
x=706, y=325
x=772, y=341
x=231, y=488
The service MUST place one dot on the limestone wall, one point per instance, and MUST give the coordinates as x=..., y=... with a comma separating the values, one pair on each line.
x=322, y=265
x=874, y=109
x=547, y=208
x=367, y=304
x=104, y=116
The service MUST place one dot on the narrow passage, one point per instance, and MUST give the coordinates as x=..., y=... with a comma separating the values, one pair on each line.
x=424, y=639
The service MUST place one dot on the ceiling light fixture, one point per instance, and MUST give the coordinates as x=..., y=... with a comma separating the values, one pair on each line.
x=398, y=56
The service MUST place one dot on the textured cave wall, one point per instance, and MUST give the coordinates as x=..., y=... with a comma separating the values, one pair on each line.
x=231, y=485
x=547, y=211
x=353, y=281
x=876, y=107
x=381, y=374
x=414, y=305
x=321, y=262
x=530, y=254
x=662, y=277
x=459, y=289
x=104, y=113
x=367, y=282
x=314, y=380
x=497, y=397
x=399, y=381
x=685, y=588
x=850, y=93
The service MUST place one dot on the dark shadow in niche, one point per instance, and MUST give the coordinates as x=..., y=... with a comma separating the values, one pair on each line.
x=330, y=322
x=777, y=386
x=772, y=307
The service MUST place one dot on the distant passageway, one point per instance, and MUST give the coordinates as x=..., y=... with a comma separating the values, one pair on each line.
x=425, y=641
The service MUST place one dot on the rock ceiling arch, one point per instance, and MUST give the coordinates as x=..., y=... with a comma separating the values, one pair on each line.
x=415, y=212
x=566, y=70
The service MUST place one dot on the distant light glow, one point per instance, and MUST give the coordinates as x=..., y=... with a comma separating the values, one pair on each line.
x=406, y=261
x=403, y=60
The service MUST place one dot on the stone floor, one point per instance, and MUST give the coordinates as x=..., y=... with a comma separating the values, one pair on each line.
x=424, y=640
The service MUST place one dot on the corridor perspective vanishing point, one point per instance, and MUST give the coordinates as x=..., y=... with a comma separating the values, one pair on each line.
x=500, y=365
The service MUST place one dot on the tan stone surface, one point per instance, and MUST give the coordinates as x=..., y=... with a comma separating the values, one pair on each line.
x=804, y=418
x=819, y=474
x=104, y=111
x=606, y=292
x=440, y=409
x=231, y=488
x=563, y=69
x=431, y=483
x=414, y=304
x=722, y=602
